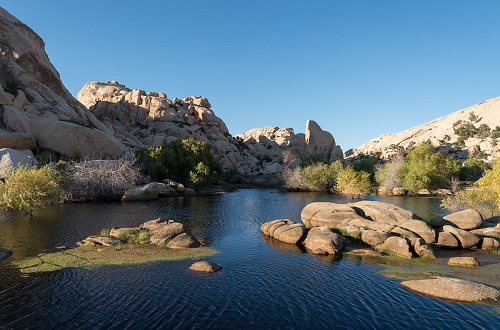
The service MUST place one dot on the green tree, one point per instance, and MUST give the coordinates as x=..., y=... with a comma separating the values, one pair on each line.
x=472, y=169
x=424, y=168
x=29, y=188
x=185, y=160
x=484, y=195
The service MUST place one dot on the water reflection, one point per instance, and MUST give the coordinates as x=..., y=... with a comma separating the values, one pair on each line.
x=264, y=284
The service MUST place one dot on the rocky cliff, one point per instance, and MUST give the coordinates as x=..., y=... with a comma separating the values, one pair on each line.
x=468, y=131
x=36, y=110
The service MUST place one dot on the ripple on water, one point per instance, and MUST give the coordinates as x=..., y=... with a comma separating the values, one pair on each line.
x=260, y=286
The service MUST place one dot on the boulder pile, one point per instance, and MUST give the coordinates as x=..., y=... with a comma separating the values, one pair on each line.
x=169, y=234
x=386, y=228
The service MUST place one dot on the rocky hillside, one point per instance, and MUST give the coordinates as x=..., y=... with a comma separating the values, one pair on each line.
x=469, y=131
x=36, y=110
x=142, y=119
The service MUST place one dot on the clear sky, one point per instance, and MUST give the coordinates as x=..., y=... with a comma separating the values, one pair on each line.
x=359, y=68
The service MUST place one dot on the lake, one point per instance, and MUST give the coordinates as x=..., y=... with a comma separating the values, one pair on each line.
x=261, y=286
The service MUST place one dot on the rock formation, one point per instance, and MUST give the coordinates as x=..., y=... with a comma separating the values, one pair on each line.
x=35, y=107
x=441, y=133
x=143, y=119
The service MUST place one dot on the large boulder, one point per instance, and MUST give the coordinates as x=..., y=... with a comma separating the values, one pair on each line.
x=383, y=212
x=466, y=239
x=183, y=241
x=166, y=232
x=396, y=246
x=420, y=228
x=466, y=219
x=284, y=230
x=318, y=141
x=321, y=240
x=17, y=141
x=489, y=244
x=447, y=240
x=423, y=250
x=10, y=159
x=75, y=141
x=42, y=106
x=141, y=193
x=327, y=214
x=453, y=289
x=374, y=237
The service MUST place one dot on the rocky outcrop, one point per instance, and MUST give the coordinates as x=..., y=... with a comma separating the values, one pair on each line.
x=169, y=234
x=205, y=267
x=35, y=103
x=395, y=230
x=453, y=289
x=321, y=240
x=284, y=230
x=441, y=133
x=268, y=149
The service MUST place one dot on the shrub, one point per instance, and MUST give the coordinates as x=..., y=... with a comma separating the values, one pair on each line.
x=484, y=196
x=99, y=180
x=424, y=168
x=353, y=183
x=367, y=164
x=29, y=188
x=186, y=160
x=472, y=169
x=386, y=175
x=483, y=131
x=320, y=177
x=495, y=134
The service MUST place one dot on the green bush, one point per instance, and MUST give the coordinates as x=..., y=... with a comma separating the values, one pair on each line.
x=320, y=177
x=353, y=183
x=367, y=164
x=472, y=169
x=424, y=168
x=484, y=196
x=187, y=160
x=29, y=188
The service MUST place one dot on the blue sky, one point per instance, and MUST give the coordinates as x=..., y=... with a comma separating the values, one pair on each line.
x=360, y=68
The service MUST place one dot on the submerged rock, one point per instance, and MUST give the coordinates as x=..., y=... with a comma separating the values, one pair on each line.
x=453, y=289
x=4, y=253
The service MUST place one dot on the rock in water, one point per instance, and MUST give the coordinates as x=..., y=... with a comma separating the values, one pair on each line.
x=453, y=289
x=321, y=240
x=205, y=267
x=4, y=254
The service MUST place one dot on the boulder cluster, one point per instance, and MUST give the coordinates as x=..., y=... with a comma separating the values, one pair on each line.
x=142, y=119
x=170, y=234
x=386, y=228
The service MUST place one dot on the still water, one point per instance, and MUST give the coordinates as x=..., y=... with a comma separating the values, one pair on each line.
x=260, y=286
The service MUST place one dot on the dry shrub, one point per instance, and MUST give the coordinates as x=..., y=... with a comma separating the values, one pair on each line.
x=98, y=180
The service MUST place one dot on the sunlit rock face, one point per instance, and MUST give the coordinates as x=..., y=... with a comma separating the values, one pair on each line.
x=441, y=132
x=35, y=103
